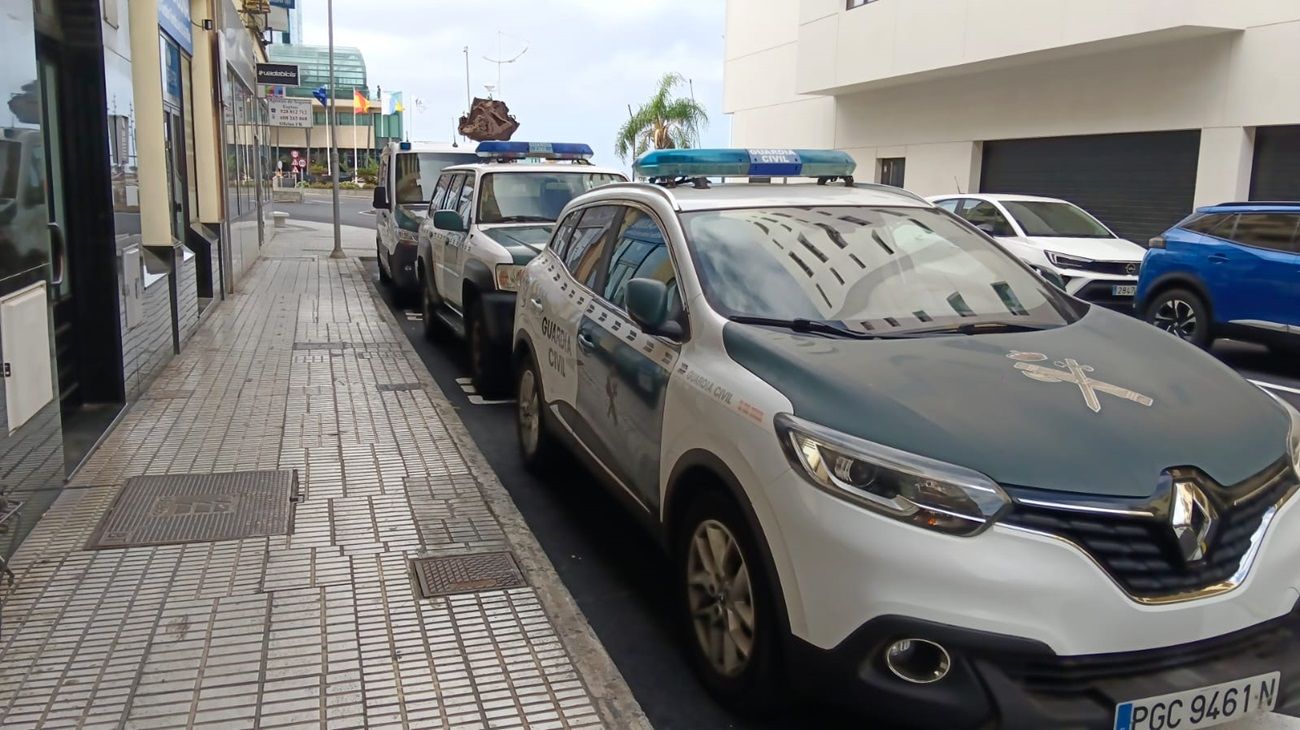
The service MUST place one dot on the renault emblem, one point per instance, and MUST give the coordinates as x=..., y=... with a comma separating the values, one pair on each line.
x=1193, y=520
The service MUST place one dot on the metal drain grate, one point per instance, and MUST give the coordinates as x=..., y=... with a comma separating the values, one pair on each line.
x=467, y=574
x=178, y=508
x=398, y=386
x=321, y=345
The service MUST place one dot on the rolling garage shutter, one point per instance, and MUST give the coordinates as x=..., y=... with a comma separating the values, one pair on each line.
x=1138, y=184
x=1276, y=174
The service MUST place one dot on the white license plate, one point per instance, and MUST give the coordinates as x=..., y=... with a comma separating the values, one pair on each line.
x=1124, y=290
x=1204, y=707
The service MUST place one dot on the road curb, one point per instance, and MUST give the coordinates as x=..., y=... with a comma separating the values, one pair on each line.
x=610, y=693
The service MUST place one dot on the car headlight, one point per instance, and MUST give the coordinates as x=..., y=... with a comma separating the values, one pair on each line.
x=508, y=276
x=1065, y=261
x=894, y=483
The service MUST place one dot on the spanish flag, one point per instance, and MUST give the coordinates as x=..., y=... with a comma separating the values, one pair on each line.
x=360, y=104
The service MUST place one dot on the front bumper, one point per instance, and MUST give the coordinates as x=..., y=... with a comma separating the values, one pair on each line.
x=402, y=265
x=499, y=318
x=1009, y=682
x=1102, y=291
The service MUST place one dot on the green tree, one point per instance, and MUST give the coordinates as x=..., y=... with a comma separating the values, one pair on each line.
x=663, y=122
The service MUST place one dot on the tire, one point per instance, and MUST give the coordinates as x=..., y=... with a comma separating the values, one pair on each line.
x=488, y=366
x=382, y=263
x=537, y=447
x=748, y=683
x=1183, y=314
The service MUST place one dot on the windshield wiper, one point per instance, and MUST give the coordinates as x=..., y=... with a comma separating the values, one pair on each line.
x=984, y=328
x=817, y=326
x=524, y=219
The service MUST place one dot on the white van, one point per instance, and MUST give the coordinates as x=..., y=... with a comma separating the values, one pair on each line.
x=408, y=172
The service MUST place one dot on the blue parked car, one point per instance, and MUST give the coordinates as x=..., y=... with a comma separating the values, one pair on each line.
x=1230, y=270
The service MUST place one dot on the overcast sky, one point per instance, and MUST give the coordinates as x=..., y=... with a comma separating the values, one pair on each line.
x=586, y=59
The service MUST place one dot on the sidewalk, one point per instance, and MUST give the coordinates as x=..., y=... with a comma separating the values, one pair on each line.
x=325, y=626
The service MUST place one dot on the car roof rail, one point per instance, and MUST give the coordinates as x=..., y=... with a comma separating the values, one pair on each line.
x=642, y=187
x=1254, y=203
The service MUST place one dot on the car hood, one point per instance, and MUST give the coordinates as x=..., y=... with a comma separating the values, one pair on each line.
x=970, y=401
x=522, y=241
x=1097, y=249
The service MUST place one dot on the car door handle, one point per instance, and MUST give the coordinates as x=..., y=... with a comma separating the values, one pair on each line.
x=1219, y=258
x=585, y=342
x=537, y=303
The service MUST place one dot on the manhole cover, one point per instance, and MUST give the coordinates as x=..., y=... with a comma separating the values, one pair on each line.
x=467, y=574
x=176, y=508
x=398, y=386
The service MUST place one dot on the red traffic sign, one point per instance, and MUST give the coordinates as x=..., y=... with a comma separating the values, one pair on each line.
x=300, y=162
x=294, y=154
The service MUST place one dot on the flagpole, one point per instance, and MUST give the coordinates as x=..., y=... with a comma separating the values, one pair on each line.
x=337, y=253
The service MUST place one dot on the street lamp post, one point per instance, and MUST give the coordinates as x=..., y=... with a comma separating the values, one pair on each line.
x=337, y=253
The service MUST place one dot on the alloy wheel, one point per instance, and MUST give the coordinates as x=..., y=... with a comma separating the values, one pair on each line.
x=721, y=598
x=530, y=422
x=1177, y=317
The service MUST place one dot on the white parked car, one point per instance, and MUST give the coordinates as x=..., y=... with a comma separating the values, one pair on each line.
x=1060, y=237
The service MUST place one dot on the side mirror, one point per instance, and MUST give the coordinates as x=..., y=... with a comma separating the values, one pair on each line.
x=448, y=220
x=1052, y=277
x=381, y=198
x=647, y=304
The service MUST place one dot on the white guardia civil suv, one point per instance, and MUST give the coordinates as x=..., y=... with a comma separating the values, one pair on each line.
x=896, y=468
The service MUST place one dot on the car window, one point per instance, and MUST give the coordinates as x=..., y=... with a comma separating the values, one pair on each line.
x=1055, y=220
x=440, y=193
x=590, y=241
x=1206, y=223
x=466, y=197
x=519, y=197
x=640, y=252
x=950, y=205
x=560, y=242
x=417, y=173
x=1274, y=231
x=984, y=213
x=453, y=192
x=894, y=269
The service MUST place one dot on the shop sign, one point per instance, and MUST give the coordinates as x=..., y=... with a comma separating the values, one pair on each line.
x=174, y=19
x=277, y=74
x=289, y=112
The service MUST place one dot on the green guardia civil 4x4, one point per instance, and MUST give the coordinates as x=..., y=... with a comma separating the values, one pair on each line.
x=895, y=467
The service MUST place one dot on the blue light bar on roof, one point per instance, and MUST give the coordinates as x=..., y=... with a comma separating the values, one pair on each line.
x=404, y=146
x=542, y=150
x=745, y=163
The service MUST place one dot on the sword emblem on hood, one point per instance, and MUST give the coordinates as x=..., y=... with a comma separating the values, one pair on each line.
x=1069, y=370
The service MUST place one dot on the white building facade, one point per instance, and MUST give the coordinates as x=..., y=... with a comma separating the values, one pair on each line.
x=1138, y=110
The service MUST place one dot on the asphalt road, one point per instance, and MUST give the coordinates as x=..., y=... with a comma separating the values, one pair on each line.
x=317, y=206
x=616, y=573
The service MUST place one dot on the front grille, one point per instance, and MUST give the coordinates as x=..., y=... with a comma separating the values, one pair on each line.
x=1141, y=554
x=1113, y=268
x=1073, y=675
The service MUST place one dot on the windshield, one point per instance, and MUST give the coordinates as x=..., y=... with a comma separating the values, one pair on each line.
x=416, y=173
x=1057, y=220
x=876, y=270
x=515, y=197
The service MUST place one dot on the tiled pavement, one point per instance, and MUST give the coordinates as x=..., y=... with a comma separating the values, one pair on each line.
x=322, y=627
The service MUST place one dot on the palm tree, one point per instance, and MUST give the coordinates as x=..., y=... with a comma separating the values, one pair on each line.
x=663, y=122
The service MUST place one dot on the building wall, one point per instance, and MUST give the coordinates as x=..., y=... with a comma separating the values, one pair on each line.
x=934, y=96
x=187, y=297
x=147, y=346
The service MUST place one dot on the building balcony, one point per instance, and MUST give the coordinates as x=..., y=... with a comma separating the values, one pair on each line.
x=890, y=42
